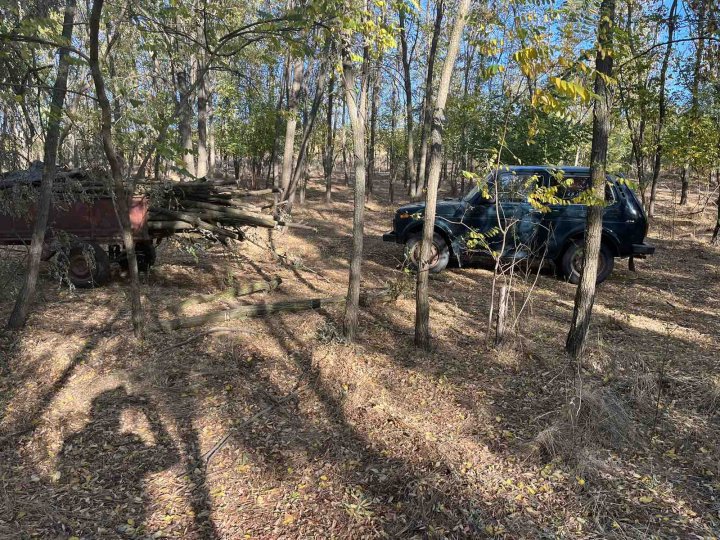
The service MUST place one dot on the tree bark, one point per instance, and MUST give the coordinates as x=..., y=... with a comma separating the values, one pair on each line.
x=427, y=112
x=685, y=185
x=672, y=21
x=328, y=155
x=374, y=107
x=409, y=175
x=422, y=301
x=22, y=303
x=121, y=196
x=585, y=294
x=357, y=110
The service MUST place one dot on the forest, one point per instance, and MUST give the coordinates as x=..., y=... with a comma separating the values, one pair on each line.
x=359, y=269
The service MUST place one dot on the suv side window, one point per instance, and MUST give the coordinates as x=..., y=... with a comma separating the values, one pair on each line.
x=513, y=187
x=576, y=185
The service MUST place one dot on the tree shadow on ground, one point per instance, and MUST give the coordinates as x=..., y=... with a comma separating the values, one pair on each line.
x=27, y=420
x=102, y=469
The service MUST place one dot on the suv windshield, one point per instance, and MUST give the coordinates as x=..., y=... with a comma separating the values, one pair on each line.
x=476, y=189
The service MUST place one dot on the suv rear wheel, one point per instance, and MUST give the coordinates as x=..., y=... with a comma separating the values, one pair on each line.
x=439, y=253
x=571, y=262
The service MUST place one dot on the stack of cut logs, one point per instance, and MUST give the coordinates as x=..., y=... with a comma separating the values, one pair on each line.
x=220, y=208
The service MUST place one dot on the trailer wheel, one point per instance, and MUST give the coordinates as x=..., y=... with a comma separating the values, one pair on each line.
x=87, y=265
x=146, y=255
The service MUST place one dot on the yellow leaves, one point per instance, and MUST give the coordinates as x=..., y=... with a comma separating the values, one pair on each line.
x=131, y=522
x=580, y=481
x=571, y=89
x=645, y=499
x=530, y=59
x=289, y=519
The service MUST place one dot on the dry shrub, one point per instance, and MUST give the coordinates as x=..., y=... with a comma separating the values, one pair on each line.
x=592, y=417
x=644, y=389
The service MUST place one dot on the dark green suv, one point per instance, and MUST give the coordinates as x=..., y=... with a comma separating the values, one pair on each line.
x=516, y=226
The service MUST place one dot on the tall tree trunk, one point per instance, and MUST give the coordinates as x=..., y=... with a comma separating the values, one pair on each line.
x=202, y=124
x=685, y=184
x=427, y=112
x=422, y=300
x=343, y=143
x=184, y=122
x=274, y=164
x=357, y=110
x=291, y=125
x=328, y=155
x=585, y=294
x=409, y=175
x=22, y=303
x=392, y=157
x=299, y=170
x=121, y=196
x=672, y=21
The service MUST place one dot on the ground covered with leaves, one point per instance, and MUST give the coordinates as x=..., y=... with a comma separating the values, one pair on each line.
x=105, y=437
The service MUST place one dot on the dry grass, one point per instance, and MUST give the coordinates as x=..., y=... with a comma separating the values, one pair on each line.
x=102, y=437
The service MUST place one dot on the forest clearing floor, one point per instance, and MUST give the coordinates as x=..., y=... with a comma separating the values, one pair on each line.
x=103, y=437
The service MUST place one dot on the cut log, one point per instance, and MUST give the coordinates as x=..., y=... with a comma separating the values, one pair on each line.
x=163, y=225
x=199, y=223
x=232, y=292
x=250, y=218
x=260, y=310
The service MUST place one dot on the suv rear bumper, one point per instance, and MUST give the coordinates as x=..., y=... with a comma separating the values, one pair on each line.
x=390, y=237
x=643, y=249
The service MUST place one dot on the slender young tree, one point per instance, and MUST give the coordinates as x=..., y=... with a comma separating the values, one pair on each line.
x=22, y=303
x=585, y=294
x=121, y=195
x=328, y=154
x=422, y=300
x=409, y=175
x=291, y=125
x=662, y=108
x=427, y=112
x=357, y=111
x=694, y=89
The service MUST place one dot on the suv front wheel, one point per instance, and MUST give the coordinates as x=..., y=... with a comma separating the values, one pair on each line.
x=439, y=252
x=571, y=262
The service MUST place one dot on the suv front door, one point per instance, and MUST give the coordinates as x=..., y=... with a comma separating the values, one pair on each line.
x=506, y=223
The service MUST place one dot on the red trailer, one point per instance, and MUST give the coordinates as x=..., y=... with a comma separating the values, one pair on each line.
x=86, y=235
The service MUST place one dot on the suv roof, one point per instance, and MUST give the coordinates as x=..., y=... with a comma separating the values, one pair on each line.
x=531, y=168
